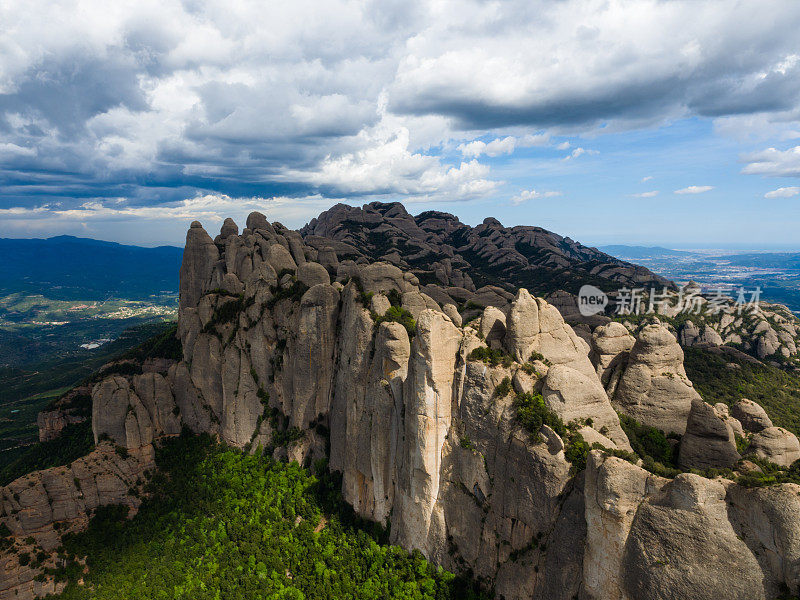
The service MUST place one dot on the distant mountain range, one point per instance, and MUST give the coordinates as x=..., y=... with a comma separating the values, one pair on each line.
x=768, y=260
x=67, y=267
x=623, y=251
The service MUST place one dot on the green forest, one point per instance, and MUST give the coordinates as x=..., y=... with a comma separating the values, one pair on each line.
x=221, y=524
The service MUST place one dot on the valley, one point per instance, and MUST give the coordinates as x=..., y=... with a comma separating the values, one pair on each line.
x=776, y=274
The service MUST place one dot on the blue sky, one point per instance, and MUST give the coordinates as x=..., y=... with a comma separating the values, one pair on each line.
x=651, y=122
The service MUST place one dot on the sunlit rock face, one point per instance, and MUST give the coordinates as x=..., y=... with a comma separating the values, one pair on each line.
x=290, y=347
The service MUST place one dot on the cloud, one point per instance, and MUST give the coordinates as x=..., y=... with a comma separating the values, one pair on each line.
x=526, y=195
x=496, y=147
x=161, y=100
x=591, y=63
x=212, y=207
x=784, y=192
x=646, y=179
x=505, y=145
x=695, y=189
x=580, y=152
x=774, y=163
x=653, y=194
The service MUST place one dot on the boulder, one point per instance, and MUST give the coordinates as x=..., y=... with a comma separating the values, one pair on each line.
x=451, y=311
x=280, y=259
x=229, y=228
x=724, y=412
x=611, y=345
x=493, y=327
x=776, y=445
x=311, y=274
x=522, y=328
x=709, y=441
x=256, y=220
x=751, y=415
x=575, y=397
x=328, y=259
x=682, y=545
x=379, y=304
x=654, y=388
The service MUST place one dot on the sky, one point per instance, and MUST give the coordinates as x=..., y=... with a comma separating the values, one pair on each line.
x=650, y=122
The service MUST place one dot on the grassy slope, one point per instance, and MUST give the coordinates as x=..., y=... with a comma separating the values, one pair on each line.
x=776, y=390
x=222, y=524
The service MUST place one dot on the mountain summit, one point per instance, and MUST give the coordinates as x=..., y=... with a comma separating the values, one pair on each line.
x=438, y=248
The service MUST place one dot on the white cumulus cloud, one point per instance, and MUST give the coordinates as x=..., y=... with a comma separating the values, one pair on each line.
x=783, y=192
x=695, y=189
x=774, y=163
x=526, y=195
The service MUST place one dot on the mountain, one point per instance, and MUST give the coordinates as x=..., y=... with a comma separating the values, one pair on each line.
x=767, y=260
x=439, y=249
x=67, y=267
x=537, y=459
x=634, y=252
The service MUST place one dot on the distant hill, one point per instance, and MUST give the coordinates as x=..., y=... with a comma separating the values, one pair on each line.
x=624, y=251
x=440, y=249
x=767, y=260
x=67, y=267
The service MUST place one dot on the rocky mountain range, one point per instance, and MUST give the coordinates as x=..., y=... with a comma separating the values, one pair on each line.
x=460, y=407
x=440, y=249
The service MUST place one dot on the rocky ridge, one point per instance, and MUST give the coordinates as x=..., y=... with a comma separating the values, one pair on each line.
x=439, y=249
x=292, y=348
x=479, y=266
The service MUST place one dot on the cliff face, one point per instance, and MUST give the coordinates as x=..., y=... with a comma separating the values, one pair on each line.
x=289, y=347
x=40, y=507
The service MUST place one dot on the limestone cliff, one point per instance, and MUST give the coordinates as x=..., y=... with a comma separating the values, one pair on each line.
x=292, y=348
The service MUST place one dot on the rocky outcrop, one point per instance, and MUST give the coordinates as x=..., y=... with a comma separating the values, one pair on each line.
x=770, y=331
x=428, y=416
x=776, y=445
x=751, y=415
x=199, y=258
x=574, y=396
x=654, y=388
x=40, y=507
x=684, y=526
x=709, y=441
x=614, y=491
x=302, y=347
x=689, y=537
x=459, y=256
x=611, y=345
x=493, y=327
x=71, y=408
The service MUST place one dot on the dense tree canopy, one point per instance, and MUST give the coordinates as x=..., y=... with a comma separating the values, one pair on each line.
x=220, y=524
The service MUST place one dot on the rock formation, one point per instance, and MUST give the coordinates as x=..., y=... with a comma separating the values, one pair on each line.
x=302, y=347
x=751, y=415
x=40, y=507
x=459, y=256
x=776, y=445
x=690, y=537
x=654, y=388
x=709, y=440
